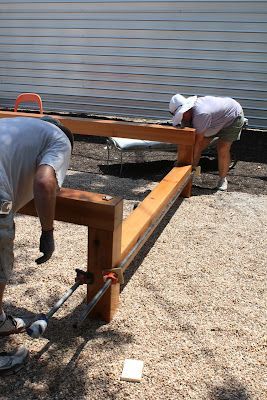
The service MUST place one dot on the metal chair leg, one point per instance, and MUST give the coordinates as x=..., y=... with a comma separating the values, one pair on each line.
x=108, y=153
x=121, y=165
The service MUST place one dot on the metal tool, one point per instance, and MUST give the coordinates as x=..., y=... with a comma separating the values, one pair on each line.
x=109, y=279
x=38, y=327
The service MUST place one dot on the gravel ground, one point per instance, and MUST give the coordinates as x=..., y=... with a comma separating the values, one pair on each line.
x=192, y=307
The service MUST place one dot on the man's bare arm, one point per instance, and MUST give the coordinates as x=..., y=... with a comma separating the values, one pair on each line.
x=200, y=144
x=45, y=189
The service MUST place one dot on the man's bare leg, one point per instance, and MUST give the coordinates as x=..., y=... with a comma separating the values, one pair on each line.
x=224, y=157
x=2, y=289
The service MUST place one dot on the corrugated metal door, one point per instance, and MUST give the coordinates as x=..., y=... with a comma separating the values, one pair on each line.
x=127, y=58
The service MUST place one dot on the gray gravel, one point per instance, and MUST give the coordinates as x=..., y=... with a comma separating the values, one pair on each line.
x=192, y=308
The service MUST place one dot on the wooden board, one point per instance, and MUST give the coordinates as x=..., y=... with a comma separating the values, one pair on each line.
x=84, y=208
x=98, y=127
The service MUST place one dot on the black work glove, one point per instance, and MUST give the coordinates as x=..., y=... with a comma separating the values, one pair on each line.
x=47, y=246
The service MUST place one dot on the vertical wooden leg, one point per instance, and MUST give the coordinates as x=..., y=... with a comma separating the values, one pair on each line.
x=187, y=192
x=104, y=250
x=185, y=157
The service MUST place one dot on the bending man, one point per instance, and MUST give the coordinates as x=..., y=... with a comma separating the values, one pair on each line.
x=34, y=158
x=211, y=116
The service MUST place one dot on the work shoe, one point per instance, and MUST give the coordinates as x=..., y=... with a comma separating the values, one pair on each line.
x=12, y=362
x=222, y=184
x=11, y=325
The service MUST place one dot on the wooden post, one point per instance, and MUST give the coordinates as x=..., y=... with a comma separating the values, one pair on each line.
x=185, y=157
x=103, y=217
x=104, y=250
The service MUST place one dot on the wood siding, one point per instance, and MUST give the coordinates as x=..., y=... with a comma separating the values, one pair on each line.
x=127, y=58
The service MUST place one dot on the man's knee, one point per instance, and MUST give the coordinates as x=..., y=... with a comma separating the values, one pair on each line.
x=223, y=146
x=7, y=235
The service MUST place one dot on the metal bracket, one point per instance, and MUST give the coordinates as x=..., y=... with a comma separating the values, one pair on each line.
x=198, y=170
x=107, y=197
x=117, y=271
x=84, y=277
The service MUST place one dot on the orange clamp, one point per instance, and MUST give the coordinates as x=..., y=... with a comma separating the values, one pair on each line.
x=112, y=276
x=118, y=273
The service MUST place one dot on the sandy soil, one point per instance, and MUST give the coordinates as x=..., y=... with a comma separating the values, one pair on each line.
x=192, y=307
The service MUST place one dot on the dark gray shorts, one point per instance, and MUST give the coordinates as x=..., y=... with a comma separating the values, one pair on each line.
x=232, y=132
x=7, y=235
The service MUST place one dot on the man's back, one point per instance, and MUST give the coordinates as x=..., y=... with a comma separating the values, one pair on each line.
x=25, y=144
x=211, y=113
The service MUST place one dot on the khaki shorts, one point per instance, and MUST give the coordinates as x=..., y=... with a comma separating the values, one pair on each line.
x=7, y=235
x=232, y=132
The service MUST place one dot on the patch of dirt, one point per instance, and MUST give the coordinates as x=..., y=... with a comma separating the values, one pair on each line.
x=249, y=174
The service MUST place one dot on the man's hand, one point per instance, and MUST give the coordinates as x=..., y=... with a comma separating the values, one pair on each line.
x=47, y=246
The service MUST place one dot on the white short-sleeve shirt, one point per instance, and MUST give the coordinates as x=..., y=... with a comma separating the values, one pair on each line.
x=25, y=144
x=211, y=114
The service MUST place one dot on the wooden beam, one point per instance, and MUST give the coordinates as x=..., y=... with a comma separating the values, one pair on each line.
x=98, y=127
x=103, y=254
x=132, y=130
x=151, y=207
x=84, y=208
x=185, y=157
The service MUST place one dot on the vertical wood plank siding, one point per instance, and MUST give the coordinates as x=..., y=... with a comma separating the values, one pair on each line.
x=127, y=58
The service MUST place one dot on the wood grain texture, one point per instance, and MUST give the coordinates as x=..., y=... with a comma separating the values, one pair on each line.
x=103, y=253
x=84, y=208
x=98, y=127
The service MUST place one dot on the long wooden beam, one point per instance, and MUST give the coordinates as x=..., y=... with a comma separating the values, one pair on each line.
x=102, y=127
x=84, y=208
x=150, y=209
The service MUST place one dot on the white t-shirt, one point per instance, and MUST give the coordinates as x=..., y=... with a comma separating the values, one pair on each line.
x=25, y=144
x=211, y=114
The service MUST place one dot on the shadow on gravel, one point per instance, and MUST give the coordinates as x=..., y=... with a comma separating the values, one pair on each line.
x=141, y=255
x=58, y=367
x=203, y=190
x=231, y=390
x=151, y=171
x=111, y=186
x=156, y=170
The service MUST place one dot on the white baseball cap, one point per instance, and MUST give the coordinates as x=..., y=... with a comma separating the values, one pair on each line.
x=179, y=105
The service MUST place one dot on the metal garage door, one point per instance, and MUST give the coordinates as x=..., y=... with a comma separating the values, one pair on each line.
x=127, y=58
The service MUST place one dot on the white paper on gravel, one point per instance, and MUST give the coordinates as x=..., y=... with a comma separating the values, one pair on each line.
x=132, y=370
